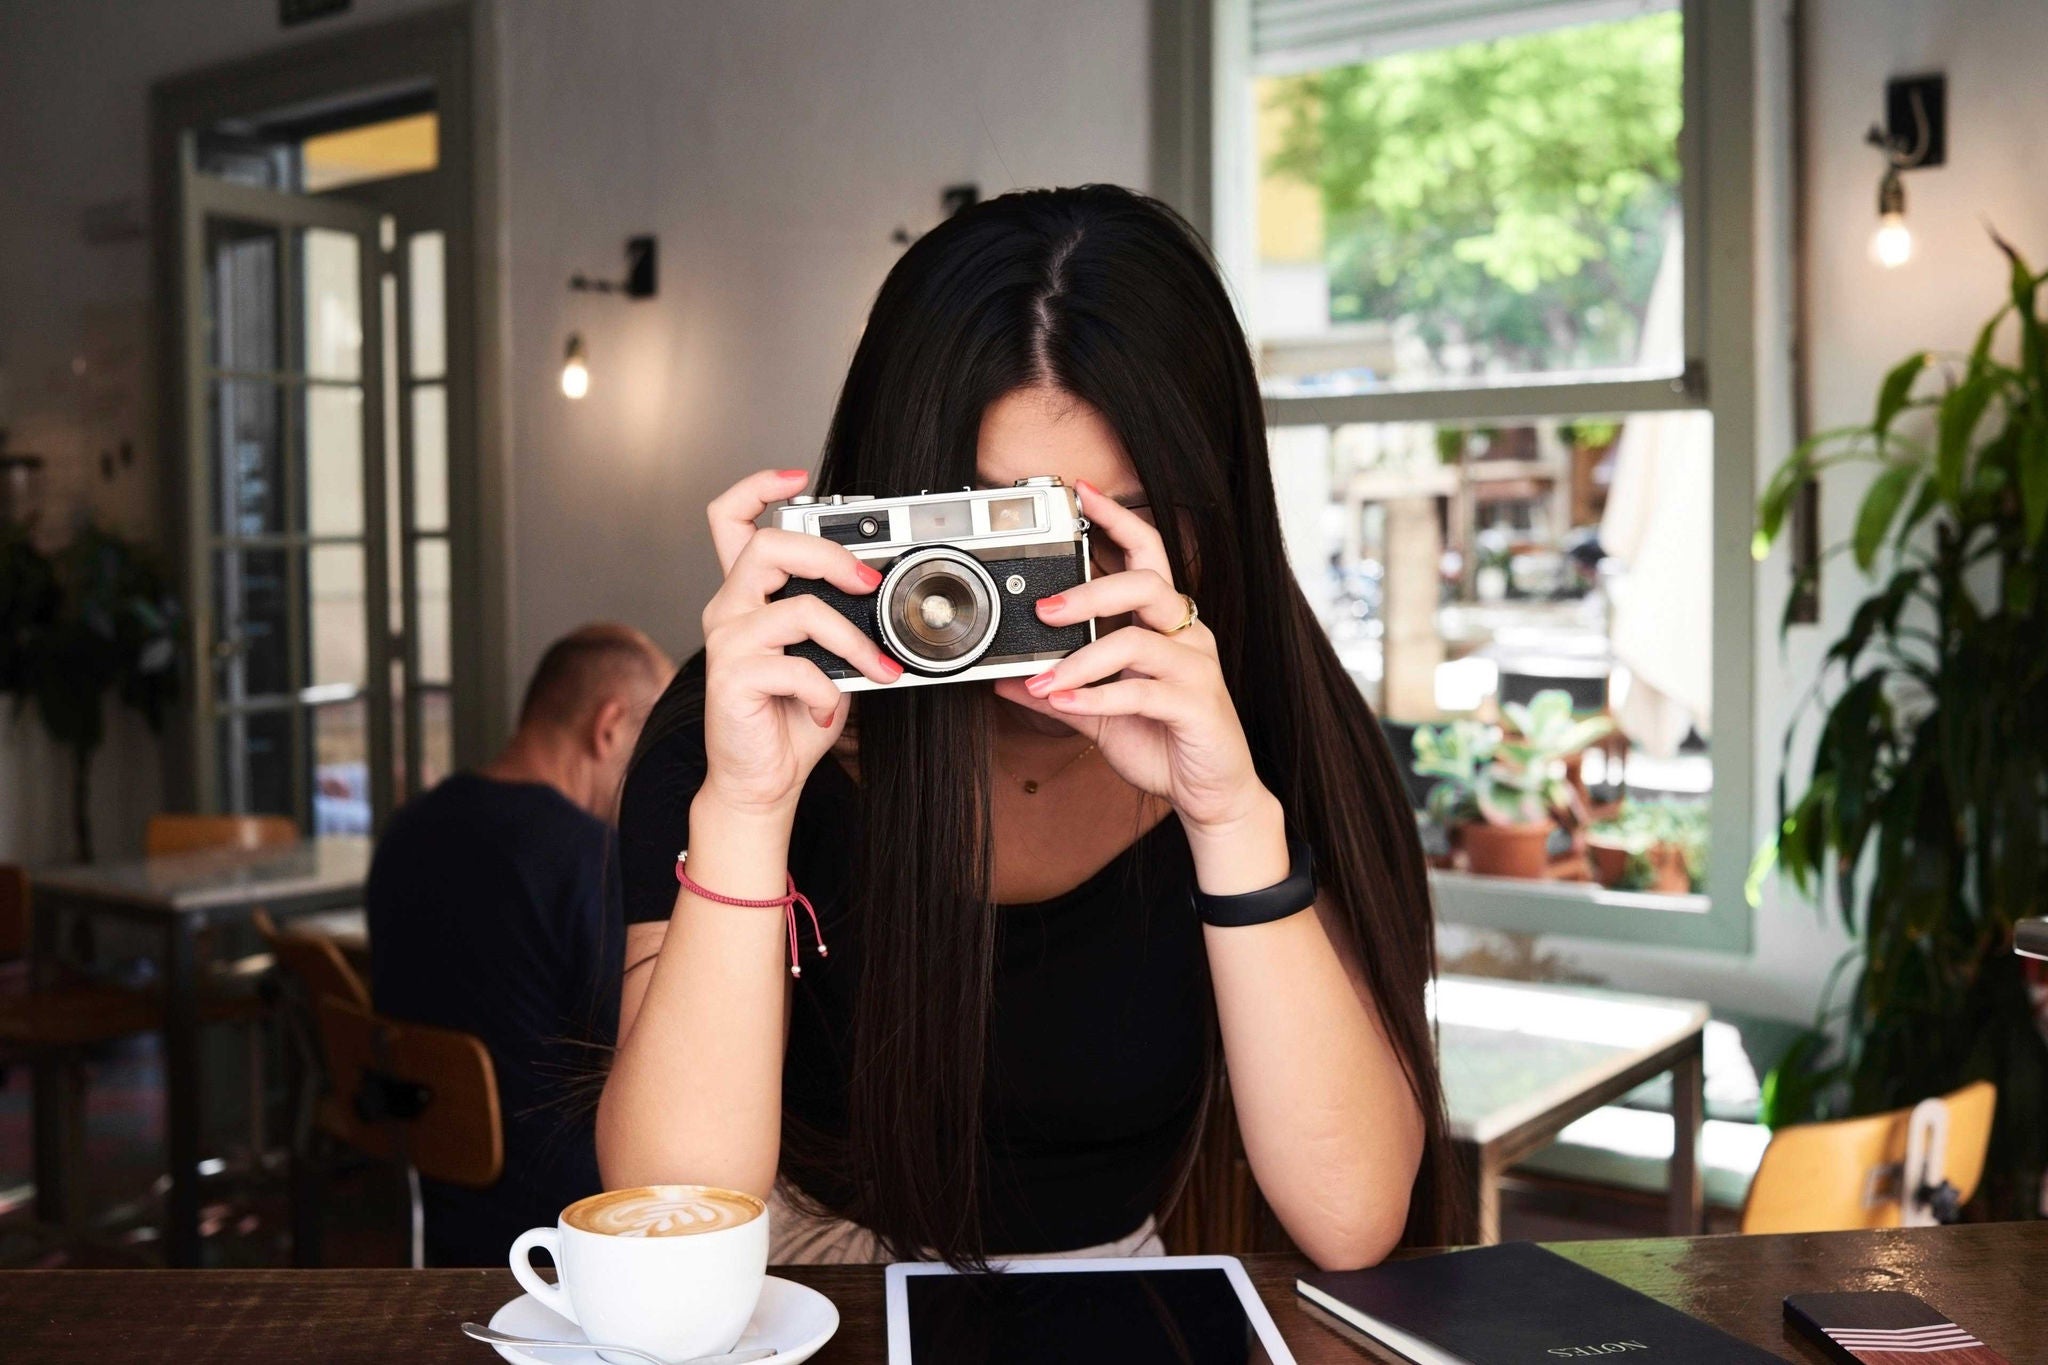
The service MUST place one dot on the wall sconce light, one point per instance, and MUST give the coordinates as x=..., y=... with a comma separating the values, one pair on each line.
x=639, y=283
x=575, y=372
x=1914, y=135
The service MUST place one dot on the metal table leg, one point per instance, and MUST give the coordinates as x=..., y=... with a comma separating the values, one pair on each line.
x=182, y=1088
x=1688, y=1115
x=51, y=1095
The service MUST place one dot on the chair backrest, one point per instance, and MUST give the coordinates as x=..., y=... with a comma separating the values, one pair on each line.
x=169, y=835
x=412, y=1092
x=1845, y=1173
x=317, y=961
x=13, y=912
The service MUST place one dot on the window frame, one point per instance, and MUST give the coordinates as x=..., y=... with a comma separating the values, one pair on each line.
x=1204, y=160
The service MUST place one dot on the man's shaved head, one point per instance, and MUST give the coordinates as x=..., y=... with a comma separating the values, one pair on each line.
x=589, y=666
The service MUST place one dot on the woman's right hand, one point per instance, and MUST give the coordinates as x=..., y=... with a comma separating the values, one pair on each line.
x=769, y=716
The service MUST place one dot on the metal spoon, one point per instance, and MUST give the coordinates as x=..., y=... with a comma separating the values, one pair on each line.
x=479, y=1332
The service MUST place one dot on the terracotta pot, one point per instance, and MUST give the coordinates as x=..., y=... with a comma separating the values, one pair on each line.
x=1668, y=874
x=1508, y=850
x=1609, y=860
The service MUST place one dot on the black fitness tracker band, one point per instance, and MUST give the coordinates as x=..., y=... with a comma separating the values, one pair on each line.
x=1287, y=897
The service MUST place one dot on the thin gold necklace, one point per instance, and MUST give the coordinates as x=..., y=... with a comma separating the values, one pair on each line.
x=1031, y=785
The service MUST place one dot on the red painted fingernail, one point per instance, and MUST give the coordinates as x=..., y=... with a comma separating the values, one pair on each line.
x=892, y=668
x=870, y=576
x=1063, y=697
x=1041, y=684
x=1051, y=603
x=794, y=473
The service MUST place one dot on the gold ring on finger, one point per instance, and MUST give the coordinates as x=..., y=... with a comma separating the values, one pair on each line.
x=1194, y=614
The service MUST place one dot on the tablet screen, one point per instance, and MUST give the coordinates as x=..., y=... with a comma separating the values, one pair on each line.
x=1188, y=1316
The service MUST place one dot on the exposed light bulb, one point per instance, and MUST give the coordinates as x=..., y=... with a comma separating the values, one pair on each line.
x=1891, y=246
x=575, y=372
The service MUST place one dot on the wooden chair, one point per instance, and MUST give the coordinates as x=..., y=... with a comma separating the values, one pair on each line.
x=315, y=960
x=421, y=1097
x=172, y=834
x=59, y=1022
x=1850, y=1173
x=424, y=1098
x=231, y=992
x=13, y=913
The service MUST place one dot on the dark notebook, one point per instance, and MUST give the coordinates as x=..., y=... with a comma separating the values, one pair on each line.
x=1516, y=1305
x=1884, y=1327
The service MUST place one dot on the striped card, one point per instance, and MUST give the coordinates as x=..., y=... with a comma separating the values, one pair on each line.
x=1885, y=1328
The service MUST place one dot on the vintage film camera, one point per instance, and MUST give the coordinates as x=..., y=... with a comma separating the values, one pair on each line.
x=961, y=575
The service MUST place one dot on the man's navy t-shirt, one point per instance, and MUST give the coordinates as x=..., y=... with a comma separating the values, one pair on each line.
x=494, y=909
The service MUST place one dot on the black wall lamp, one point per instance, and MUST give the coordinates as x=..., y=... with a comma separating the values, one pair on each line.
x=1914, y=136
x=639, y=283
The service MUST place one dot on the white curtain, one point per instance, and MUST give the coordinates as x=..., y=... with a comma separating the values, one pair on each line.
x=1659, y=525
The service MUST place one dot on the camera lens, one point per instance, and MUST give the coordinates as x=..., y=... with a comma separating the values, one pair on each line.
x=938, y=610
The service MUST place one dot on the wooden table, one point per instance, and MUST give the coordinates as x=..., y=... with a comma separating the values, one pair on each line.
x=1988, y=1278
x=179, y=897
x=1520, y=1061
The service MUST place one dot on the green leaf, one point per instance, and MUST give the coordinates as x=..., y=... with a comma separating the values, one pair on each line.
x=1760, y=869
x=1981, y=352
x=1897, y=386
x=1777, y=498
x=2032, y=457
x=1880, y=506
x=2020, y=583
x=1923, y=503
x=1792, y=1088
x=1962, y=408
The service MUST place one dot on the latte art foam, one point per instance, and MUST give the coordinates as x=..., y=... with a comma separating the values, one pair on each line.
x=663, y=1211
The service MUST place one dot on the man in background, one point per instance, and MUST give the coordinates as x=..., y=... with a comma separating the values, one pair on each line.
x=493, y=905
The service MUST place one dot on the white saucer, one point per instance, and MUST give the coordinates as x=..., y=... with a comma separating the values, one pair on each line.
x=793, y=1318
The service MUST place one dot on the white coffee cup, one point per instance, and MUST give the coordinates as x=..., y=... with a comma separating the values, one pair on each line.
x=671, y=1269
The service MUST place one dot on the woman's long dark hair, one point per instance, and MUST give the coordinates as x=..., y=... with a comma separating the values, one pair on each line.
x=1110, y=297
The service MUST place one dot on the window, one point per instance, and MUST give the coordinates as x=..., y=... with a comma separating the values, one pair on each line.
x=1511, y=405
x=407, y=145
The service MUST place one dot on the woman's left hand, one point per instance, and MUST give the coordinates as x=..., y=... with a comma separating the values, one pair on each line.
x=1166, y=723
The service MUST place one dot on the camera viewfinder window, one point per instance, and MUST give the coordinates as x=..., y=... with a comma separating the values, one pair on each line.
x=940, y=520
x=1012, y=515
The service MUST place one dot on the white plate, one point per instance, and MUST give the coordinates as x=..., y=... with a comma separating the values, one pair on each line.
x=793, y=1318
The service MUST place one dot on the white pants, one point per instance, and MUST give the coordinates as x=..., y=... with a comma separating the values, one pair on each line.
x=799, y=1238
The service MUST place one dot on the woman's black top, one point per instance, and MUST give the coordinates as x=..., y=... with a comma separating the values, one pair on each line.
x=1099, y=1032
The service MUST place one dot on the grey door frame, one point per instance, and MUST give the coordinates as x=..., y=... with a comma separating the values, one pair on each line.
x=453, y=49
x=205, y=199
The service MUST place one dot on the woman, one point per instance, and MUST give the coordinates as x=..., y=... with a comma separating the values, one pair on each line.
x=1013, y=1045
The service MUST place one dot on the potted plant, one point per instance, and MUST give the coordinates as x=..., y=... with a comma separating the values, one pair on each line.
x=1656, y=846
x=1922, y=812
x=1503, y=791
x=96, y=617
x=1454, y=755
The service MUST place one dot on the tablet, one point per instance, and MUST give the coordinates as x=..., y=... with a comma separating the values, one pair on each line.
x=1186, y=1310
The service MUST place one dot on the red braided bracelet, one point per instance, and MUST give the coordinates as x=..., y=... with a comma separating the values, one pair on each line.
x=787, y=904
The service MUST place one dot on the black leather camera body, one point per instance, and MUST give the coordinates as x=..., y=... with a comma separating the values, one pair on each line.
x=962, y=574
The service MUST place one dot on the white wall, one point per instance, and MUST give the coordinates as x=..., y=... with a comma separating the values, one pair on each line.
x=773, y=146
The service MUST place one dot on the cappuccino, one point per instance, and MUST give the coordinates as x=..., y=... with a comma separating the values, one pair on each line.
x=662, y=1211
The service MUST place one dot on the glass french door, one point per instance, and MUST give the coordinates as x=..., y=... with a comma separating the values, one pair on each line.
x=288, y=570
